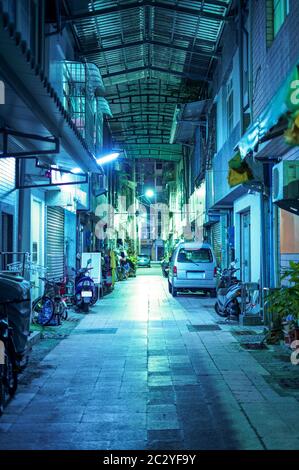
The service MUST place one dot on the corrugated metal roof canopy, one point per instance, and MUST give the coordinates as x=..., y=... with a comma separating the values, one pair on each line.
x=152, y=55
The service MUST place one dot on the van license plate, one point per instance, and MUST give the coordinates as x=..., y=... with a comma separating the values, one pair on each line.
x=195, y=275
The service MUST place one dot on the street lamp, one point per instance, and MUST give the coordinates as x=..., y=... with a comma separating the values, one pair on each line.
x=149, y=193
x=100, y=161
x=107, y=158
x=76, y=171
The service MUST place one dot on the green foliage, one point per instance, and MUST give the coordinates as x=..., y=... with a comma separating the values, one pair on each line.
x=285, y=300
x=133, y=259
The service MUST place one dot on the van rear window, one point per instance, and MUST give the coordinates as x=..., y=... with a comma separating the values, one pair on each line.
x=202, y=255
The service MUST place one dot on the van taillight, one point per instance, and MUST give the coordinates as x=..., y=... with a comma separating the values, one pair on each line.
x=215, y=271
x=175, y=271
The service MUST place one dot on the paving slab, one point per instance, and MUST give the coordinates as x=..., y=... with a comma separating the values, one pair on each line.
x=131, y=375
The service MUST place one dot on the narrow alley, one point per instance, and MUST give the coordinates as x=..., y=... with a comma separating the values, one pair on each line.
x=149, y=228
x=135, y=375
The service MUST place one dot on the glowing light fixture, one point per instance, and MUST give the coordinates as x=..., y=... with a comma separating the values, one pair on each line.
x=107, y=158
x=76, y=170
x=149, y=193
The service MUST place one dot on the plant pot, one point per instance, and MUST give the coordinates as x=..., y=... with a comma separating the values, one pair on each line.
x=291, y=335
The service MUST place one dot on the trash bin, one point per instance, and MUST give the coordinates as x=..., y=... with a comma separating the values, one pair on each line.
x=15, y=305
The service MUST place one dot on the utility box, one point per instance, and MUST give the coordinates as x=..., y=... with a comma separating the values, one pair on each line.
x=96, y=264
x=286, y=185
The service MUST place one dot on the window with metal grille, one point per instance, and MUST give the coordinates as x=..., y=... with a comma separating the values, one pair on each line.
x=277, y=12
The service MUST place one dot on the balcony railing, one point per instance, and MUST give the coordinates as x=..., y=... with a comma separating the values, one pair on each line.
x=82, y=93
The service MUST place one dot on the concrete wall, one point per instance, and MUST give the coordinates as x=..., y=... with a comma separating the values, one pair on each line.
x=220, y=165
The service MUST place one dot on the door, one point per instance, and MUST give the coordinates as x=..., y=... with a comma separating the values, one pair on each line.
x=245, y=246
x=7, y=238
x=160, y=252
x=36, y=245
x=55, y=242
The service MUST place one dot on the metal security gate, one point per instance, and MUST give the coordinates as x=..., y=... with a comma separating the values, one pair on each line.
x=55, y=242
x=216, y=241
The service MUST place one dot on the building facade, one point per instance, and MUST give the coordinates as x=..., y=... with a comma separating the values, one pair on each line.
x=53, y=127
x=244, y=130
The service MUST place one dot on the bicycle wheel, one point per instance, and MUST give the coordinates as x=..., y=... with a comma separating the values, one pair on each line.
x=11, y=370
x=8, y=379
x=36, y=309
x=47, y=312
x=95, y=296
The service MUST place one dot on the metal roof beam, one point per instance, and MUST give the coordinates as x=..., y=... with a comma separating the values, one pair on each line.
x=166, y=157
x=191, y=76
x=150, y=3
x=188, y=10
x=115, y=96
x=190, y=50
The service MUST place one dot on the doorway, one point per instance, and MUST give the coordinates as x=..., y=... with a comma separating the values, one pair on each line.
x=245, y=246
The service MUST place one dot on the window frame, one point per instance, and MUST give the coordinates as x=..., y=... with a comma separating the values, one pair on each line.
x=229, y=104
x=281, y=10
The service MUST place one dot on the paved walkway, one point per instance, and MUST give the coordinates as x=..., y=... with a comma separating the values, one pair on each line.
x=133, y=376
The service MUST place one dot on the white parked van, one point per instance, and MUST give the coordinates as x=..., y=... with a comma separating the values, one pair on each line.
x=192, y=267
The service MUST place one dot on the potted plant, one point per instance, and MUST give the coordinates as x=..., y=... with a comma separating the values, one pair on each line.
x=132, y=259
x=285, y=303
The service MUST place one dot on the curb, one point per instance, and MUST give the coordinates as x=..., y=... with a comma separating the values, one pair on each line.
x=34, y=338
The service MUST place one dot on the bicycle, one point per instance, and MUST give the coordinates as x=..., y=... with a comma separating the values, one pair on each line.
x=50, y=308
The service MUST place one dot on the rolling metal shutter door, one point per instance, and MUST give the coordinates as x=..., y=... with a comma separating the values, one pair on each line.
x=216, y=241
x=55, y=242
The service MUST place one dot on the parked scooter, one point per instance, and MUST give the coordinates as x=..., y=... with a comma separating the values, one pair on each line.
x=85, y=289
x=165, y=267
x=228, y=293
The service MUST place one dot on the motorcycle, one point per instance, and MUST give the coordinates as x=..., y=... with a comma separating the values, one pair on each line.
x=85, y=289
x=229, y=290
x=165, y=267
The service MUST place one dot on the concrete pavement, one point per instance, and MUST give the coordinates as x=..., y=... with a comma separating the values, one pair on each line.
x=137, y=374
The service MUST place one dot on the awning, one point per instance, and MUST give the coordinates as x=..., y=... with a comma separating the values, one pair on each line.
x=213, y=218
x=185, y=120
x=239, y=171
x=279, y=110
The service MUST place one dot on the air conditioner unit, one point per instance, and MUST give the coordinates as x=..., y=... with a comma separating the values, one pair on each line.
x=101, y=185
x=285, y=191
